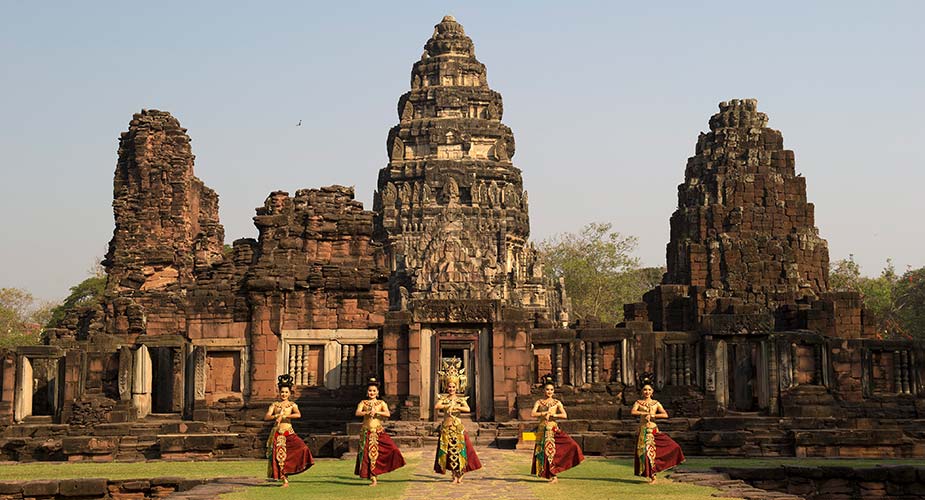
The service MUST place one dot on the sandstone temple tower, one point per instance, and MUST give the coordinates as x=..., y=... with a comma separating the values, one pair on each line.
x=743, y=231
x=452, y=215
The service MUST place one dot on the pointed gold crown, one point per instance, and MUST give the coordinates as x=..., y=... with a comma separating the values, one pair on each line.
x=452, y=371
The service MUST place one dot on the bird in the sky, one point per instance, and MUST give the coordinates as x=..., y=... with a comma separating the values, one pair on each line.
x=299, y=124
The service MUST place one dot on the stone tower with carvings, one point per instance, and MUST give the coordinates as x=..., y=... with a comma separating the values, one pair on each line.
x=451, y=204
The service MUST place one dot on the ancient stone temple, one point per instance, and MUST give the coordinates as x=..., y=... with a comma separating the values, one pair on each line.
x=751, y=352
x=452, y=216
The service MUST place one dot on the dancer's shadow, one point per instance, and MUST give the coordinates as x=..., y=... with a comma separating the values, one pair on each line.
x=424, y=478
x=602, y=479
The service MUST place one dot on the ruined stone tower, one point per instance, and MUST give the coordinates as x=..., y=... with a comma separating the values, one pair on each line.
x=452, y=216
x=743, y=233
x=452, y=209
x=166, y=218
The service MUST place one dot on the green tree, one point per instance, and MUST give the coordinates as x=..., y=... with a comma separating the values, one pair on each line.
x=600, y=273
x=18, y=325
x=880, y=294
x=87, y=292
x=910, y=294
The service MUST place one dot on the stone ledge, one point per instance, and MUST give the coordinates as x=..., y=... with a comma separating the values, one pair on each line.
x=101, y=488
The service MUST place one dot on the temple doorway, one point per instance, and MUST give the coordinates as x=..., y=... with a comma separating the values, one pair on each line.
x=743, y=375
x=465, y=346
x=39, y=388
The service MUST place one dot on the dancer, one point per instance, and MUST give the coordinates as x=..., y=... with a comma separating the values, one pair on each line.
x=554, y=451
x=454, y=450
x=287, y=452
x=378, y=454
x=655, y=451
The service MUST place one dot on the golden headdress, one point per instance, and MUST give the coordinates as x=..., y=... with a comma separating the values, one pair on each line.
x=452, y=371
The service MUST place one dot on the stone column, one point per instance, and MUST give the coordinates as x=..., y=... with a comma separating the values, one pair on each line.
x=22, y=405
x=628, y=358
x=199, y=376
x=141, y=381
x=125, y=373
x=721, y=376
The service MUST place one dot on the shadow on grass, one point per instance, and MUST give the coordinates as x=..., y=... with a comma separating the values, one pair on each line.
x=571, y=478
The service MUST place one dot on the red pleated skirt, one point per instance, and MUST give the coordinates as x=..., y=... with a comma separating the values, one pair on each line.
x=288, y=455
x=564, y=451
x=377, y=455
x=667, y=454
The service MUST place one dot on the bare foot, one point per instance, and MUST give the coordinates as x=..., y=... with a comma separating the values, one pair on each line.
x=652, y=481
x=555, y=479
x=285, y=484
x=374, y=481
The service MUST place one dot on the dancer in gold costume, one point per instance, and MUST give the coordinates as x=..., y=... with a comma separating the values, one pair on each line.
x=454, y=450
x=378, y=454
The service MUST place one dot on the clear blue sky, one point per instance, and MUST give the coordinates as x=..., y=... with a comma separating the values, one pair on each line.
x=606, y=101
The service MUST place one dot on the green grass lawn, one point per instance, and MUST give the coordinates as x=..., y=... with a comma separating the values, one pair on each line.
x=609, y=478
x=334, y=479
x=331, y=479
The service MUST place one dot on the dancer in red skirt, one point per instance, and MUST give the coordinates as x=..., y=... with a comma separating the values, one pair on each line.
x=655, y=451
x=555, y=451
x=454, y=449
x=287, y=453
x=378, y=453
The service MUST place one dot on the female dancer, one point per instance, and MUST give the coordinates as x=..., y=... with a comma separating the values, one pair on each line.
x=454, y=450
x=287, y=453
x=555, y=451
x=378, y=453
x=655, y=451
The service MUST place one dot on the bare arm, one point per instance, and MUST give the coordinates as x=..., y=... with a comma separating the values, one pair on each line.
x=536, y=412
x=294, y=412
x=384, y=410
x=560, y=408
x=270, y=415
x=660, y=412
x=462, y=406
x=360, y=411
x=636, y=411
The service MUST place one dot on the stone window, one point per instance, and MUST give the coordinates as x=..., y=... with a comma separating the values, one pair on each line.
x=681, y=364
x=329, y=358
x=552, y=360
x=891, y=372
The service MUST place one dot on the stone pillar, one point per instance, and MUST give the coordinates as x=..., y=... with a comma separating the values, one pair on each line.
x=141, y=381
x=773, y=379
x=199, y=382
x=762, y=375
x=628, y=358
x=589, y=363
x=24, y=389
x=8, y=383
x=721, y=376
x=73, y=383
x=125, y=373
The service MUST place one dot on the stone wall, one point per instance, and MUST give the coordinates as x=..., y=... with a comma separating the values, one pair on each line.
x=836, y=482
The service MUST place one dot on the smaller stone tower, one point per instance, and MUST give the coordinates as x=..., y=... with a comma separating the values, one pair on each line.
x=166, y=218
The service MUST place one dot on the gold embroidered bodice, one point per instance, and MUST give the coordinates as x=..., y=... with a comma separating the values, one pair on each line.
x=284, y=408
x=451, y=411
x=370, y=422
x=546, y=405
x=651, y=407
